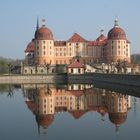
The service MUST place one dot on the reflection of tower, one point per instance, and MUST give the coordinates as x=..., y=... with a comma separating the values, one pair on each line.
x=118, y=107
x=135, y=105
x=44, y=107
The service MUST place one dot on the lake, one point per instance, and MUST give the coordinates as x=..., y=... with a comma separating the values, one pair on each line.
x=69, y=112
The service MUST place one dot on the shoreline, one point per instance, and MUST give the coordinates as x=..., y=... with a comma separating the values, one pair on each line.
x=87, y=78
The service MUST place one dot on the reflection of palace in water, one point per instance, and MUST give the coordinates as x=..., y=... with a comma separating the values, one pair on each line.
x=46, y=100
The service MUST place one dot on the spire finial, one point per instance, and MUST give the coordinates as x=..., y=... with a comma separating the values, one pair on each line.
x=117, y=129
x=38, y=129
x=116, y=22
x=37, y=24
x=101, y=31
x=43, y=22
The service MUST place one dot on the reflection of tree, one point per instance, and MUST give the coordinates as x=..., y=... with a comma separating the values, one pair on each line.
x=10, y=91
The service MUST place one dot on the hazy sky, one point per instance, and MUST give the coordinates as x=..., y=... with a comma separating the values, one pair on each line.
x=64, y=17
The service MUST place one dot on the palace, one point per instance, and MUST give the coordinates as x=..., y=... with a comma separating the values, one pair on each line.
x=43, y=50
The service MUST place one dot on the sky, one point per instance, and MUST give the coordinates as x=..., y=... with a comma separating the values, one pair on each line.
x=65, y=17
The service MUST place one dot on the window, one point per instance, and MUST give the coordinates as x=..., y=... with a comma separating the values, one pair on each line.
x=79, y=70
x=44, y=47
x=79, y=87
x=25, y=71
x=56, y=61
x=44, y=53
x=71, y=70
x=37, y=52
x=112, y=50
x=41, y=70
x=119, y=53
x=70, y=61
x=119, y=46
x=44, y=41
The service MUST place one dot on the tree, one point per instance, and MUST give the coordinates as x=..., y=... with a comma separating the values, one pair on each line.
x=47, y=66
x=118, y=66
x=9, y=68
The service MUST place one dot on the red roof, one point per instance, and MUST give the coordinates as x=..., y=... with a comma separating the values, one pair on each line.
x=45, y=120
x=76, y=64
x=118, y=118
x=97, y=43
x=31, y=105
x=76, y=93
x=91, y=43
x=77, y=38
x=30, y=47
x=60, y=43
x=44, y=33
x=116, y=33
x=101, y=38
x=77, y=113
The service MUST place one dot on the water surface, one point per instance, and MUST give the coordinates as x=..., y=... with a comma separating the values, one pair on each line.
x=50, y=112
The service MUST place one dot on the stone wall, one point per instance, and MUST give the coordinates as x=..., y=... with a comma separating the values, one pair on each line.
x=51, y=79
x=129, y=80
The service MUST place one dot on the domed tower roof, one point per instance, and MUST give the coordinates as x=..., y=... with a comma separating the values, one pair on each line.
x=44, y=120
x=117, y=118
x=43, y=33
x=116, y=33
x=30, y=46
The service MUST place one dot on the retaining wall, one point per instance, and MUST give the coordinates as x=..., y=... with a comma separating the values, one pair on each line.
x=129, y=80
x=51, y=79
